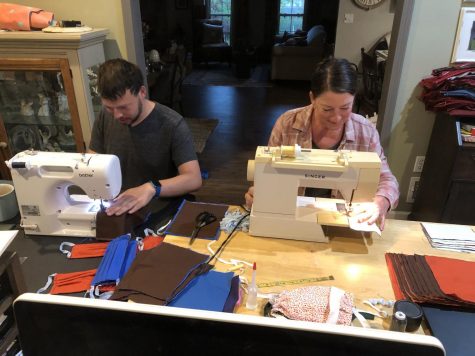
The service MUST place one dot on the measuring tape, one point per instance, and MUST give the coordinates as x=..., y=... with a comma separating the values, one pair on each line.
x=294, y=281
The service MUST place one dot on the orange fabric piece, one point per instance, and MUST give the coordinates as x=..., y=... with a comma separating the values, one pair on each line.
x=41, y=19
x=23, y=18
x=150, y=242
x=107, y=288
x=75, y=282
x=455, y=277
x=97, y=249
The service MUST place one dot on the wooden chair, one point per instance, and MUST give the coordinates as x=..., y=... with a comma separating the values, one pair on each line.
x=167, y=86
x=372, y=79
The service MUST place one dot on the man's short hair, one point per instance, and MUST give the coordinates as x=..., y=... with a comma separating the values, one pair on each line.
x=116, y=76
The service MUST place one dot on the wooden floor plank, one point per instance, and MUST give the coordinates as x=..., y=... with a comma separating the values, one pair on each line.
x=246, y=117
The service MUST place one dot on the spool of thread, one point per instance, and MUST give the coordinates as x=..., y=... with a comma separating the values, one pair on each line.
x=412, y=311
x=289, y=151
x=398, y=322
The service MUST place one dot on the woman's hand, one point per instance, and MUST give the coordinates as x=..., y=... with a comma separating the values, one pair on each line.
x=249, y=197
x=375, y=212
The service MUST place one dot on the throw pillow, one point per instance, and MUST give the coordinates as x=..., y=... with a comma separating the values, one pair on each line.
x=212, y=34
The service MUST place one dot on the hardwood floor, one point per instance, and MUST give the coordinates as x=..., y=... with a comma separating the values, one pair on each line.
x=246, y=117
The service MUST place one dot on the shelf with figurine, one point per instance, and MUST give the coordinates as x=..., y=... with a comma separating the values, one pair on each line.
x=41, y=137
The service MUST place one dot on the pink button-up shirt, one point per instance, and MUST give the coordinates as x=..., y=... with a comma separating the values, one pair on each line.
x=294, y=126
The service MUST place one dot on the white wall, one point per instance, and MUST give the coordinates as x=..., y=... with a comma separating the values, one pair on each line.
x=431, y=36
x=367, y=28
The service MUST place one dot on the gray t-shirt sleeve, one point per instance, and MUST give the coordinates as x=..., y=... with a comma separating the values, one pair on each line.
x=182, y=144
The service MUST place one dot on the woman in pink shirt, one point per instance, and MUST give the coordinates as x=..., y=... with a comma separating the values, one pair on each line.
x=329, y=123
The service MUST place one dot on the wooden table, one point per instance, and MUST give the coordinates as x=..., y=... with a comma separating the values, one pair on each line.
x=356, y=262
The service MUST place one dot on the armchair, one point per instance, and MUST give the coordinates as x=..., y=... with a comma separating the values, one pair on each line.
x=209, y=42
x=296, y=59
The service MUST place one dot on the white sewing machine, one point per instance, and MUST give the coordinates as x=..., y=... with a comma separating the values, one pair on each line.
x=279, y=173
x=42, y=181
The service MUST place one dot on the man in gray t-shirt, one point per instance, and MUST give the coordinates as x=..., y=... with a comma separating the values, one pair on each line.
x=153, y=142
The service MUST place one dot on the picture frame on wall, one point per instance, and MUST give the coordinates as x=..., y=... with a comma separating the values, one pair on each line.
x=464, y=45
x=181, y=4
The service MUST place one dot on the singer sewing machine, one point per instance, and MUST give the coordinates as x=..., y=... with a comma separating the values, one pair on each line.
x=42, y=182
x=280, y=173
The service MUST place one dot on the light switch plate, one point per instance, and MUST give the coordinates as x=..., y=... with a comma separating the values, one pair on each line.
x=419, y=164
x=349, y=18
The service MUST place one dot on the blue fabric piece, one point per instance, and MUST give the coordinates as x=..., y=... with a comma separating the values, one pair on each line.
x=464, y=93
x=208, y=291
x=454, y=328
x=116, y=261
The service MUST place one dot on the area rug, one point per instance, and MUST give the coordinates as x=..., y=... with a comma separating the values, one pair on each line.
x=201, y=129
x=223, y=74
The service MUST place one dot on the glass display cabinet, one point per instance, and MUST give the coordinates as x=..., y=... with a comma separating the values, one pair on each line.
x=48, y=95
x=37, y=106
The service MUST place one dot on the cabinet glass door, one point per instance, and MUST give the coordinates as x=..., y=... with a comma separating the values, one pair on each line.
x=37, y=106
x=92, y=73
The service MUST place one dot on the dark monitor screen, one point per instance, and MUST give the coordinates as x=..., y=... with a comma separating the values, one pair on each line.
x=57, y=325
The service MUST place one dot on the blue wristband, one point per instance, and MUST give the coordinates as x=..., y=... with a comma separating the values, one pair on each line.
x=157, y=187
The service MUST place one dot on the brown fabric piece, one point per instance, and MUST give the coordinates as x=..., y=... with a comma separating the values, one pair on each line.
x=419, y=284
x=159, y=273
x=399, y=275
x=110, y=227
x=184, y=221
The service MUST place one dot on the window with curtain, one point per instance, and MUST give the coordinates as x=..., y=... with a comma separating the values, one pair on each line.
x=291, y=15
x=221, y=10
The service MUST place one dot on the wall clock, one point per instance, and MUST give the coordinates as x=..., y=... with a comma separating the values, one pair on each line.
x=368, y=4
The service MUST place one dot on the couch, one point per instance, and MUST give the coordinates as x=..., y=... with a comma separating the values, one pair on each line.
x=296, y=58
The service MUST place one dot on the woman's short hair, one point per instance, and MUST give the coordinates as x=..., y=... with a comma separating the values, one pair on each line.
x=116, y=76
x=336, y=75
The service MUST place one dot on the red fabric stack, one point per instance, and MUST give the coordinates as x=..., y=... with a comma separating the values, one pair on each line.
x=450, y=89
x=432, y=280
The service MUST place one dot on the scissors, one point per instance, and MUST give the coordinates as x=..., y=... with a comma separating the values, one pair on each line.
x=202, y=219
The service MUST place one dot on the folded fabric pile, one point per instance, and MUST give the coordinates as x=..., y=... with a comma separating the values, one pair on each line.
x=432, y=280
x=15, y=17
x=119, y=255
x=451, y=89
x=159, y=274
x=117, y=258
x=177, y=276
x=147, y=270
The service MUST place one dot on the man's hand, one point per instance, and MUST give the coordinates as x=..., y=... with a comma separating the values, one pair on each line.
x=375, y=212
x=249, y=197
x=132, y=200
